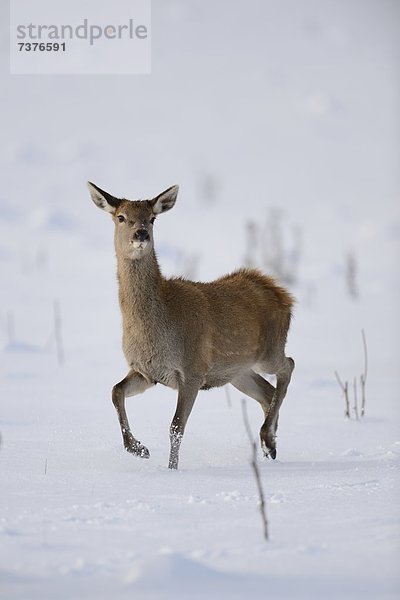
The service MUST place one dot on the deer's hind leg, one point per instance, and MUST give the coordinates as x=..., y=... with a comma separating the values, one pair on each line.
x=270, y=398
x=268, y=430
x=255, y=386
x=132, y=384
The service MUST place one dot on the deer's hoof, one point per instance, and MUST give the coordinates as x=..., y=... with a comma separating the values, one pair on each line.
x=268, y=452
x=138, y=450
x=143, y=452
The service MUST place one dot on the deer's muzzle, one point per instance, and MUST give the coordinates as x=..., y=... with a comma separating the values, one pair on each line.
x=142, y=235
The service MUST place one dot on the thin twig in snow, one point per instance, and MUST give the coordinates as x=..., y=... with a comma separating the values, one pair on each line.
x=58, y=333
x=363, y=377
x=254, y=465
x=355, y=407
x=228, y=396
x=345, y=388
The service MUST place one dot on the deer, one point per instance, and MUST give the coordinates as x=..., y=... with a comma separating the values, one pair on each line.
x=191, y=335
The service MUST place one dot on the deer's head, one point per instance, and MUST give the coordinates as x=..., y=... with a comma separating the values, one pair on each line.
x=133, y=219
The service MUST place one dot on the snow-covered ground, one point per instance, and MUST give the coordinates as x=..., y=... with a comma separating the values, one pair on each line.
x=251, y=106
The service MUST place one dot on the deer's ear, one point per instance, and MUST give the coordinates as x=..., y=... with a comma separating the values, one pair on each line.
x=166, y=200
x=103, y=199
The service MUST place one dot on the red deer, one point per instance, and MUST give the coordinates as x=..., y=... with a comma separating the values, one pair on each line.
x=189, y=335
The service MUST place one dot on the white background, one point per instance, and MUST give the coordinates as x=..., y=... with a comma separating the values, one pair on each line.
x=251, y=106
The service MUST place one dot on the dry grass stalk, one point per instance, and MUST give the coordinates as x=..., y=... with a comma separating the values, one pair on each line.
x=256, y=471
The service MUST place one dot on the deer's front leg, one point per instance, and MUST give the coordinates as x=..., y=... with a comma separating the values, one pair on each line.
x=132, y=384
x=186, y=397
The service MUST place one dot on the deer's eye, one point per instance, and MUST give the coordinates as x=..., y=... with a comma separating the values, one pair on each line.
x=152, y=220
x=121, y=218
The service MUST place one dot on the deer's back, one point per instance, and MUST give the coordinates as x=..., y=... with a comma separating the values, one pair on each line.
x=245, y=295
x=234, y=322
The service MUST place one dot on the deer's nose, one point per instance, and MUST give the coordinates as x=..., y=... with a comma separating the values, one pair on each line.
x=142, y=235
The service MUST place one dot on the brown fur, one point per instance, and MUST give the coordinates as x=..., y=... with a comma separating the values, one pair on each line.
x=192, y=335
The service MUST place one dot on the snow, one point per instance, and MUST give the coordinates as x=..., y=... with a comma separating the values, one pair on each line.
x=298, y=111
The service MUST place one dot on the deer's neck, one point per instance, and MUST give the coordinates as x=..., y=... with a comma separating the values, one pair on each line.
x=140, y=288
